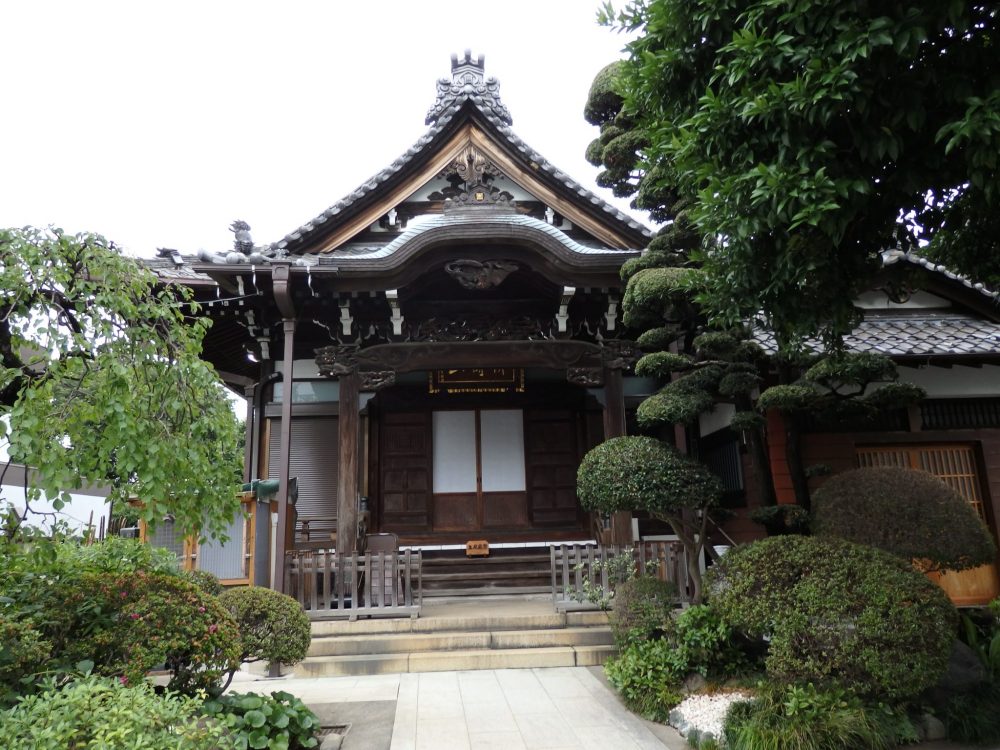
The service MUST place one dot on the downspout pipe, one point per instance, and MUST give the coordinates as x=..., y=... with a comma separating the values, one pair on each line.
x=280, y=279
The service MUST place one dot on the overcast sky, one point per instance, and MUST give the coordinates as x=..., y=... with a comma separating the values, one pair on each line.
x=158, y=124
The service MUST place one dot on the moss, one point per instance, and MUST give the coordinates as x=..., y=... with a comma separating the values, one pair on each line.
x=788, y=398
x=908, y=513
x=656, y=339
x=738, y=383
x=647, y=260
x=747, y=420
x=673, y=406
x=661, y=364
x=651, y=293
x=894, y=396
x=604, y=100
x=860, y=368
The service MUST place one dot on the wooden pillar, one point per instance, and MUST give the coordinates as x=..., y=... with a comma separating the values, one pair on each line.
x=614, y=426
x=287, y=378
x=347, y=497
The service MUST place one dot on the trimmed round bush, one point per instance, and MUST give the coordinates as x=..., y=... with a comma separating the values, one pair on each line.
x=272, y=626
x=99, y=712
x=837, y=612
x=642, y=473
x=906, y=512
x=643, y=608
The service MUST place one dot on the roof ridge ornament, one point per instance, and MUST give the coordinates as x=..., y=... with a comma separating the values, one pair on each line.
x=468, y=82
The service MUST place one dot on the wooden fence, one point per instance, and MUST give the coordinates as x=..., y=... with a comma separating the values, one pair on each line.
x=375, y=584
x=581, y=573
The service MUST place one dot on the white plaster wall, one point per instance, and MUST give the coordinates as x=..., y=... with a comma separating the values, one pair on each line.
x=954, y=382
x=716, y=419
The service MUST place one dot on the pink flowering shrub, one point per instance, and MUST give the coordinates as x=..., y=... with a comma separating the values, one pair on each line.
x=131, y=624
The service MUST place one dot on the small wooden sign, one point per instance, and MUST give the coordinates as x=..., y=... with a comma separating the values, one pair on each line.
x=477, y=548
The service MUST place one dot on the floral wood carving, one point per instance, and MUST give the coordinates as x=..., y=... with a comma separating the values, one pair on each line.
x=619, y=354
x=337, y=359
x=479, y=327
x=589, y=377
x=374, y=380
x=472, y=274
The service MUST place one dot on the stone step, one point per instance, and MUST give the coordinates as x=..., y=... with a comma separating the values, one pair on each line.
x=477, y=591
x=460, y=659
x=395, y=643
x=467, y=622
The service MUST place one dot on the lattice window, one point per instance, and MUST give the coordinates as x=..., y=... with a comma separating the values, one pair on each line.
x=953, y=463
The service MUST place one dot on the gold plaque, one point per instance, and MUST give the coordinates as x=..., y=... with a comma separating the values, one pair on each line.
x=478, y=380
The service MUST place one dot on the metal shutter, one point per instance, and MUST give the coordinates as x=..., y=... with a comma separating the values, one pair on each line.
x=314, y=459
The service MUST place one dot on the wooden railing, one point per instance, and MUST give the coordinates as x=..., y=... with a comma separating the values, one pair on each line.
x=579, y=570
x=330, y=585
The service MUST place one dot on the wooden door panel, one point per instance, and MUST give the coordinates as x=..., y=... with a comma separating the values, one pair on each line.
x=553, y=456
x=456, y=511
x=505, y=510
x=405, y=481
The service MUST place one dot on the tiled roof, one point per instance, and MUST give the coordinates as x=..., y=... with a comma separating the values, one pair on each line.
x=919, y=334
x=444, y=111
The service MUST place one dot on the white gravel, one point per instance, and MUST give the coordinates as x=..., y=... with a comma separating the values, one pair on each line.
x=704, y=713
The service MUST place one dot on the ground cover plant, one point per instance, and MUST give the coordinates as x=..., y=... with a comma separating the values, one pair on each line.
x=279, y=721
x=100, y=712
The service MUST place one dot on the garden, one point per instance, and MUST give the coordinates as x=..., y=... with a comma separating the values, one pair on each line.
x=830, y=638
x=111, y=645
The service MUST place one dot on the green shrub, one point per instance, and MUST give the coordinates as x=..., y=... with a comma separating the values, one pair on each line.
x=96, y=712
x=116, y=554
x=646, y=676
x=908, y=513
x=781, y=718
x=643, y=610
x=975, y=716
x=128, y=625
x=837, y=612
x=207, y=582
x=649, y=674
x=24, y=653
x=279, y=721
x=272, y=626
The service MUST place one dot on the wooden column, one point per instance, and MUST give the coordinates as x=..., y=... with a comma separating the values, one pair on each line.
x=614, y=426
x=287, y=375
x=347, y=498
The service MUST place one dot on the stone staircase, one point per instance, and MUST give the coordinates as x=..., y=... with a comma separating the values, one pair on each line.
x=518, y=570
x=482, y=633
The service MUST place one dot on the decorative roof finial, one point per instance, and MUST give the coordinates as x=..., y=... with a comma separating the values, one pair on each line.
x=468, y=82
x=242, y=242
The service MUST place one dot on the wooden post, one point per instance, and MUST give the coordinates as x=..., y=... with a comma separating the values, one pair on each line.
x=287, y=374
x=347, y=499
x=614, y=426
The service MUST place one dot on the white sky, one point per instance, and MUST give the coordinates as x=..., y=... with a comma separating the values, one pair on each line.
x=158, y=124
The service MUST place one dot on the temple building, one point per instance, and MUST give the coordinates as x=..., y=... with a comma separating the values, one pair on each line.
x=434, y=353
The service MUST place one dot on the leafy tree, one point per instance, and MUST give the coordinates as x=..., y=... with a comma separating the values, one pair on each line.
x=101, y=381
x=797, y=135
x=642, y=473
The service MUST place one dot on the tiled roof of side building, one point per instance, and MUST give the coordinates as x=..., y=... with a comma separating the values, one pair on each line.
x=911, y=335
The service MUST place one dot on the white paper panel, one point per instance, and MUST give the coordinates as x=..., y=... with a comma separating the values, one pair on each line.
x=502, y=437
x=454, y=451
